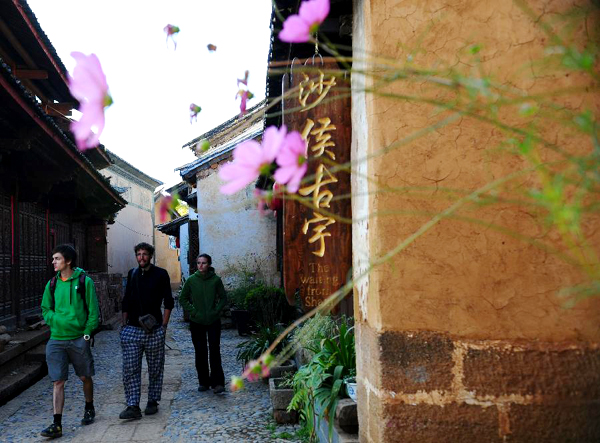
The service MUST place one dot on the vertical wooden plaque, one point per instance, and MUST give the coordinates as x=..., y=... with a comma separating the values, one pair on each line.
x=318, y=247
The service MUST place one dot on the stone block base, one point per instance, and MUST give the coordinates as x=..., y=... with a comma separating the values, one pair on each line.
x=429, y=387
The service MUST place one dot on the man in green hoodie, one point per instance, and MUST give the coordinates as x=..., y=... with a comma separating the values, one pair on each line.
x=72, y=320
x=203, y=296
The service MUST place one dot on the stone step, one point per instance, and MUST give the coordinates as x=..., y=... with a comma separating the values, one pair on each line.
x=15, y=381
x=37, y=354
x=23, y=342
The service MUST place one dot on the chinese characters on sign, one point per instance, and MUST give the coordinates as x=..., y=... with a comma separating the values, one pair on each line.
x=317, y=246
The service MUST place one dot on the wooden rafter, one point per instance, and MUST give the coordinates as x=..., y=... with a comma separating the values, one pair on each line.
x=32, y=74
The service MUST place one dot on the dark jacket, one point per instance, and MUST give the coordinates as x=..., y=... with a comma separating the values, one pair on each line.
x=203, y=296
x=145, y=293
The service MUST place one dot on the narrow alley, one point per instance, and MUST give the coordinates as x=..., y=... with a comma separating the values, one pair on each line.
x=184, y=413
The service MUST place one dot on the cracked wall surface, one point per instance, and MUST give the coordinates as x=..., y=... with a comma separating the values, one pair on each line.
x=489, y=295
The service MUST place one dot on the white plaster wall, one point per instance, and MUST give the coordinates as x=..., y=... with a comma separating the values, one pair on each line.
x=359, y=179
x=234, y=233
x=184, y=241
x=133, y=224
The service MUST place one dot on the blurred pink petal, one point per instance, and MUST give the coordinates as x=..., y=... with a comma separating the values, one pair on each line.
x=171, y=31
x=165, y=204
x=251, y=160
x=298, y=27
x=265, y=371
x=277, y=200
x=253, y=371
x=245, y=95
x=292, y=162
x=194, y=111
x=88, y=85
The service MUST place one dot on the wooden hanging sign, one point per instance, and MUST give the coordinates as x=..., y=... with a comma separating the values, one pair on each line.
x=318, y=233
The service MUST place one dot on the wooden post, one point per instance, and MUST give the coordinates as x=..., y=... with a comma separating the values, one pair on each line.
x=317, y=235
x=15, y=261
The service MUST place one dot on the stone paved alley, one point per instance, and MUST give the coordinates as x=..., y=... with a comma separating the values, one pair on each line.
x=184, y=413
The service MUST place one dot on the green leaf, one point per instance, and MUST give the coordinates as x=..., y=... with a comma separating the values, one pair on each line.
x=474, y=49
x=573, y=59
x=585, y=122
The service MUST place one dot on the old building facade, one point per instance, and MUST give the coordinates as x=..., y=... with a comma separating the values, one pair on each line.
x=135, y=223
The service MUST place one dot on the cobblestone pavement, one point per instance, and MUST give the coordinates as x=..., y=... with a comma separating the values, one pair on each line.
x=184, y=413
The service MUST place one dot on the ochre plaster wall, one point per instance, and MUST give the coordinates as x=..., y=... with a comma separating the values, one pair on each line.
x=166, y=257
x=461, y=336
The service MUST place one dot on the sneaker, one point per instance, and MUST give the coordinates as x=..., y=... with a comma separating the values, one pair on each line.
x=203, y=388
x=151, y=408
x=52, y=431
x=131, y=413
x=88, y=417
x=218, y=389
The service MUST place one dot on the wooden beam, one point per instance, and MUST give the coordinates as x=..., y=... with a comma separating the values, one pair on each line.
x=58, y=108
x=43, y=125
x=32, y=74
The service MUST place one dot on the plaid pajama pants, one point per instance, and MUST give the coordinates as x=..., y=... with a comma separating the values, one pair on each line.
x=135, y=342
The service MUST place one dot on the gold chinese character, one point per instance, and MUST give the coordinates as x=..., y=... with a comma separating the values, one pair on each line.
x=323, y=139
x=321, y=198
x=318, y=234
x=308, y=86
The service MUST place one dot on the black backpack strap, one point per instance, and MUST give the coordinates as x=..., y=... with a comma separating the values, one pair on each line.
x=52, y=291
x=81, y=291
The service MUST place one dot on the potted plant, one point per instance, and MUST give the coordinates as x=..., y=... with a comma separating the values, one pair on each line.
x=240, y=316
x=350, y=382
x=258, y=343
x=319, y=385
x=283, y=369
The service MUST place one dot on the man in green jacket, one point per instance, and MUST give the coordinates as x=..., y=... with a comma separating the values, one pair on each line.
x=72, y=320
x=203, y=296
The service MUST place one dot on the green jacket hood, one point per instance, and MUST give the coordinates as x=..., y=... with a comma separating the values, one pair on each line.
x=74, y=276
x=209, y=274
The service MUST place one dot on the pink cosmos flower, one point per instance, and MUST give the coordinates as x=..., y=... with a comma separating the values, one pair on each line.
x=171, y=30
x=237, y=383
x=245, y=95
x=276, y=203
x=194, y=111
x=292, y=162
x=253, y=371
x=250, y=160
x=165, y=206
x=298, y=28
x=88, y=85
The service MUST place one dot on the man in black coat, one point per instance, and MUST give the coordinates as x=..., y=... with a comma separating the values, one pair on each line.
x=144, y=329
